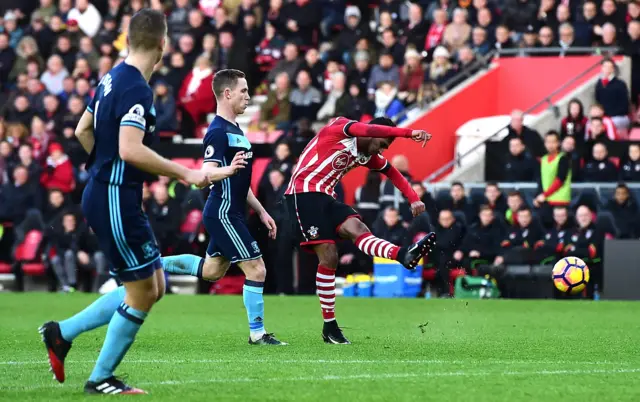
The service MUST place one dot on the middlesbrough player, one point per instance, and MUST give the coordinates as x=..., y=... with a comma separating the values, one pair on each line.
x=321, y=220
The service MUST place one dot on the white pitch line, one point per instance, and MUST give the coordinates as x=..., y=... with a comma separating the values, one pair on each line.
x=346, y=378
x=321, y=361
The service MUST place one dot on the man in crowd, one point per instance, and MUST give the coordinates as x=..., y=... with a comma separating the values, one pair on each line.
x=555, y=178
x=481, y=244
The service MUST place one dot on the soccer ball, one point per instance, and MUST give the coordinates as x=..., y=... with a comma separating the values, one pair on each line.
x=570, y=275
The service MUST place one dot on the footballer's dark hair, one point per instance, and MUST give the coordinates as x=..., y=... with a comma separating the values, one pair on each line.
x=383, y=121
x=147, y=29
x=226, y=79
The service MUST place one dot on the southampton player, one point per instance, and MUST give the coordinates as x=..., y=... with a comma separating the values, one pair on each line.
x=320, y=220
x=116, y=130
x=227, y=161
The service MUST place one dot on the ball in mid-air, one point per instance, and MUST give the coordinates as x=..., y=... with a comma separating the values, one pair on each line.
x=570, y=275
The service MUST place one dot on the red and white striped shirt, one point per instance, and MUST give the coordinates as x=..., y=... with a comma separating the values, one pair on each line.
x=334, y=151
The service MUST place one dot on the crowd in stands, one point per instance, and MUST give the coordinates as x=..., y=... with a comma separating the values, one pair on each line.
x=313, y=60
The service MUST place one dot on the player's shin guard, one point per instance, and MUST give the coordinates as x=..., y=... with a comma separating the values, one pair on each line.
x=120, y=335
x=376, y=247
x=97, y=314
x=254, y=303
x=184, y=264
x=326, y=287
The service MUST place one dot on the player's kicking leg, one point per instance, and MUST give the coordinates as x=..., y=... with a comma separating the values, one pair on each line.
x=139, y=298
x=213, y=268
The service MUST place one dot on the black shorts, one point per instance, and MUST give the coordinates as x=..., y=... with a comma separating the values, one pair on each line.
x=317, y=217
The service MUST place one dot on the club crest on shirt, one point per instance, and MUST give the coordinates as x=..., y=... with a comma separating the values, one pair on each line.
x=208, y=153
x=313, y=232
x=340, y=161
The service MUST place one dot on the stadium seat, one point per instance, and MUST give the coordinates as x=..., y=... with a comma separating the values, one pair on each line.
x=28, y=254
x=606, y=222
x=477, y=197
x=5, y=268
x=442, y=196
x=529, y=194
x=606, y=194
x=586, y=196
x=616, y=161
x=542, y=271
x=192, y=222
x=460, y=217
x=634, y=135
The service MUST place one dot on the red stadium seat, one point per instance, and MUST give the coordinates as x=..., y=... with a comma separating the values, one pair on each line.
x=166, y=134
x=634, y=135
x=259, y=165
x=28, y=254
x=192, y=222
x=5, y=268
x=615, y=160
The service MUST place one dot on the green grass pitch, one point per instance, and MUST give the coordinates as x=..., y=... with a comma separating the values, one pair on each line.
x=195, y=348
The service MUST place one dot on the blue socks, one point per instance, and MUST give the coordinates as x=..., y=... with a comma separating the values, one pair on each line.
x=184, y=264
x=120, y=335
x=97, y=314
x=254, y=303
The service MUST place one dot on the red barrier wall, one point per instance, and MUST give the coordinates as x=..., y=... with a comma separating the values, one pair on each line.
x=516, y=83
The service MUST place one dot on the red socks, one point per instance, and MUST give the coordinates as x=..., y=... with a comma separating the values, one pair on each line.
x=374, y=246
x=326, y=286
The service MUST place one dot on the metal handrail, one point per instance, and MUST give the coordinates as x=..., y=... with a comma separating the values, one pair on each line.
x=524, y=51
x=547, y=99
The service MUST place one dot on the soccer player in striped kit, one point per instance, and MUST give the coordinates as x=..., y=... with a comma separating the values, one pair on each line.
x=321, y=220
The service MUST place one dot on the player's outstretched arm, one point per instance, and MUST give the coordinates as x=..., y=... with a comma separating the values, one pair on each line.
x=84, y=131
x=217, y=173
x=377, y=131
x=133, y=151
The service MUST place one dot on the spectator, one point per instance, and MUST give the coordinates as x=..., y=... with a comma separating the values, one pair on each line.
x=55, y=74
x=458, y=202
x=165, y=105
x=485, y=20
x=530, y=137
x=12, y=28
x=389, y=227
x=385, y=71
x=352, y=32
x=275, y=112
x=20, y=112
x=367, y=198
x=480, y=42
x=546, y=13
x=26, y=160
x=198, y=29
x=427, y=200
x=385, y=21
x=458, y=32
x=17, y=197
x=449, y=235
x=283, y=161
x=520, y=13
x=392, y=197
x=440, y=70
x=56, y=206
x=587, y=242
x=630, y=171
x=494, y=198
x=568, y=146
x=305, y=99
x=503, y=37
x=521, y=238
x=52, y=114
x=446, y=6
x=597, y=132
x=632, y=49
x=388, y=104
x=609, y=15
x=613, y=95
x=68, y=89
x=164, y=216
x=290, y=64
x=316, y=68
x=178, y=70
x=46, y=10
x=436, y=30
x=600, y=168
x=519, y=166
x=66, y=242
x=88, y=53
x=64, y=49
x=546, y=41
x=467, y=60
x=481, y=243
x=415, y=31
x=337, y=100
x=567, y=38
x=391, y=45
x=269, y=49
x=302, y=21
x=574, y=124
x=514, y=204
x=555, y=238
x=358, y=104
x=597, y=111
x=195, y=97
x=360, y=74
x=530, y=38
x=625, y=212
x=59, y=171
x=563, y=16
x=178, y=19
x=7, y=58
x=555, y=178
x=26, y=51
x=411, y=76
x=585, y=26
x=186, y=46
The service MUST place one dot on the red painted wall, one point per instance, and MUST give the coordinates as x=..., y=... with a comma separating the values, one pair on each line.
x=514, y=83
